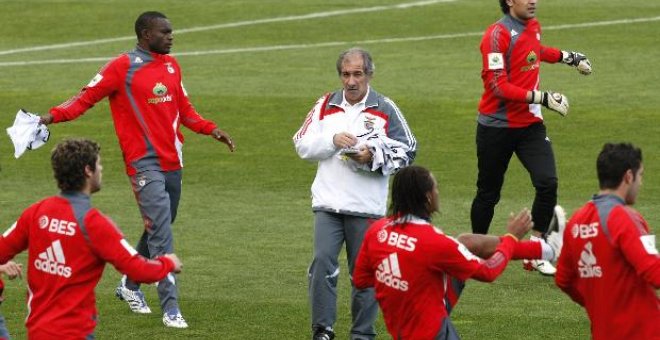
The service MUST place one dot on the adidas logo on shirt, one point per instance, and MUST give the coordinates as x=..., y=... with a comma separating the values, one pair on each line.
x=389, y=273
x=52, y=261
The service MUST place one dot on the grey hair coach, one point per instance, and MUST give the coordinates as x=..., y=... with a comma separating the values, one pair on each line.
x=369, y=66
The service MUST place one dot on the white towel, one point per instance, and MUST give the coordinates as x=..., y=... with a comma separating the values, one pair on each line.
x=27, y=133
x=388, y=155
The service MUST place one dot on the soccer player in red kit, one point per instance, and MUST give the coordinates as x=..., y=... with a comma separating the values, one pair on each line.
x=610, y=264
x=509, y=116
x=68, y=243
x=417, y=270
x=149, y=104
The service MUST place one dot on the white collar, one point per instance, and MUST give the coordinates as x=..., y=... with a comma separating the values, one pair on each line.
x=361, y=103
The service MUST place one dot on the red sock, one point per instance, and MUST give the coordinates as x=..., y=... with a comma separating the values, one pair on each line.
x=527, y=250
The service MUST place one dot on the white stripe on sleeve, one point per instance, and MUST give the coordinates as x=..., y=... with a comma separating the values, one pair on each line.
x=128, y=247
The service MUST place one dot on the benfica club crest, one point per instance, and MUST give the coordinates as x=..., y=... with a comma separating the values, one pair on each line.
x=369, y=123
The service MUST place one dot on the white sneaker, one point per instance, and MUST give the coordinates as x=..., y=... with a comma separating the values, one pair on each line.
x=542, y=266
x=174, y=319
x=555, y=236
x=555, y=241
x=558, y=221
x=135, y=298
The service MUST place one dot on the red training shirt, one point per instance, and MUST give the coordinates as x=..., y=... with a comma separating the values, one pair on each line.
x=148, y=104
x=411, y=266
x=68, y=244
x=511, y=53
x=610, y=265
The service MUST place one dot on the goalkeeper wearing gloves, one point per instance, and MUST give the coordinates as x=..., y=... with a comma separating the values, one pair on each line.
x=510, y=119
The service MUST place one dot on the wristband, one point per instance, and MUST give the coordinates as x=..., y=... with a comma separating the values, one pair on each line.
x=537, y=97
x=512, y=236
x=562, y=56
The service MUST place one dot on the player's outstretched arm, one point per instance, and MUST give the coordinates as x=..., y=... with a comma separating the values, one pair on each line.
x=483, y=246
x=454, y=258
x=577, y=60
x=108, y=243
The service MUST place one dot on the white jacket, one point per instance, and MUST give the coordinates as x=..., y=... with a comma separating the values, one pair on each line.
x=340, y=186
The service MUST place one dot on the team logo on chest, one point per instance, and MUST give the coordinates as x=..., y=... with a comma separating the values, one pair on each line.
x=369, y=123
x=160, y=91
x=532, y=62
x=531, y=57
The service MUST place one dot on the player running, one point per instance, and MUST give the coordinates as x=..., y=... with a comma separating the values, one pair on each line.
x=68, y=243
x=510, y=119
x=610, y=264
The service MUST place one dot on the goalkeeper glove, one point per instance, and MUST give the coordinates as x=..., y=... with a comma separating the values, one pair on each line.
x=577, y=60
x=552, y=100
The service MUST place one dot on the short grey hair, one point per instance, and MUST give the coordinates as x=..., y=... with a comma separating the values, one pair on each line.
x=369, y=66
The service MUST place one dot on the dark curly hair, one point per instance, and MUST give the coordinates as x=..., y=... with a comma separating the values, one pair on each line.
x=409, y=189
x=504, y=7
x=69, y=159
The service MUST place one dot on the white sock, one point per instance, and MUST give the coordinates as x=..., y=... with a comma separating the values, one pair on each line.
x=546, y=251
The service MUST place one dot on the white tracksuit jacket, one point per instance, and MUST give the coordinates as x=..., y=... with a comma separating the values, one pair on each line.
x=338, y=187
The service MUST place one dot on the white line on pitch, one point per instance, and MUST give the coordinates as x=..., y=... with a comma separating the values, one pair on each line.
x=333, y=43
x=233, y=24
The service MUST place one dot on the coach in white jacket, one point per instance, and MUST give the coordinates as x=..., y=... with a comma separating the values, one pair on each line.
x=343, y=132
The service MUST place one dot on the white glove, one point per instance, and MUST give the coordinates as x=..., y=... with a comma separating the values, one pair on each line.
x=552, y=100
x=577, y=60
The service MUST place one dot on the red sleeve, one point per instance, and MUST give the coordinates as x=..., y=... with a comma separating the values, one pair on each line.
x=566, y=276
x=494, y=47
x=106, y=82
x=15, y=239
x=189, y=116
x=550, y=55
x=495, y=265
x=109, y=244
x=452, y=257
x=636, y=244
x=363, y=275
